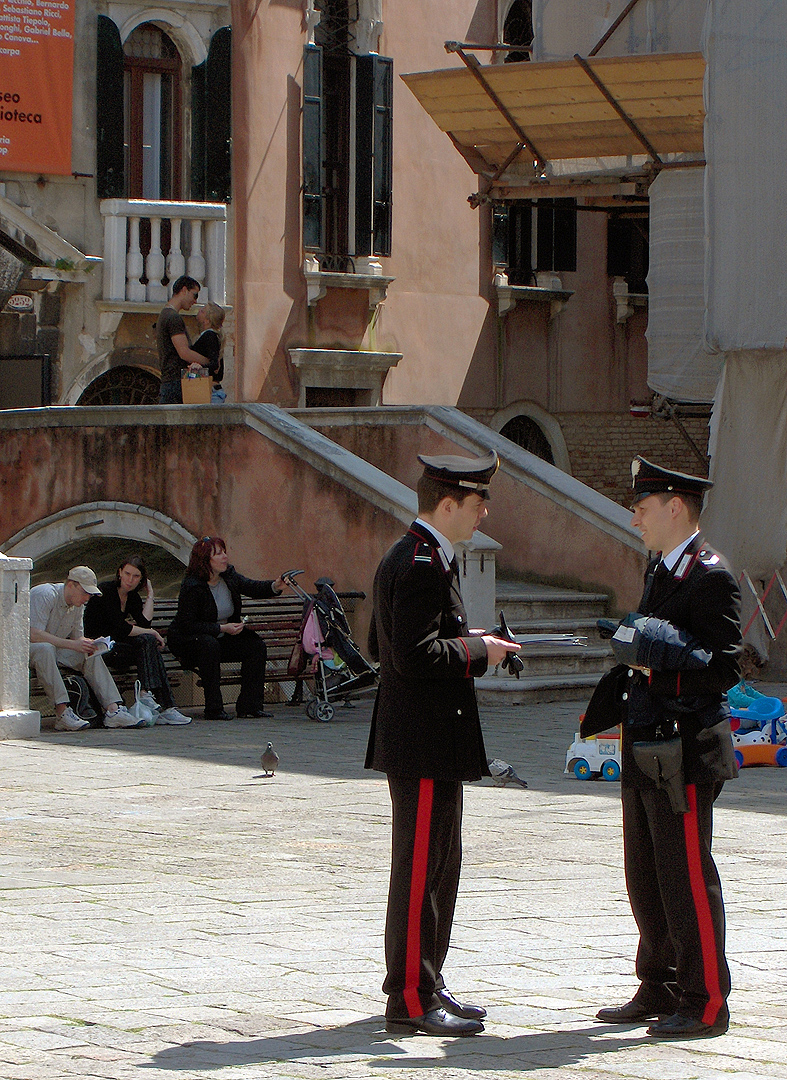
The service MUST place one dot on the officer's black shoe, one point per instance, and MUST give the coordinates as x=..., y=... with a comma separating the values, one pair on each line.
x=456, y=1008
x=245, y=713
x=435, y=1022
x=686, y=1027
x=645, y=1005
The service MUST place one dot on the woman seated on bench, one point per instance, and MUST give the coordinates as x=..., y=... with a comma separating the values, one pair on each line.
x=208, y=628
x=120, y=613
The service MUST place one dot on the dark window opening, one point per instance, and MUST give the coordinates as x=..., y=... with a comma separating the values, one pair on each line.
x=627, y=250
x=336, y=397
x=122, y=386
x=336, y=101
x=152, y=114
x=25, y=381
x=535, y=235
x=525, y=432
x=347, y=186
x=335, y=31
x=518, y=30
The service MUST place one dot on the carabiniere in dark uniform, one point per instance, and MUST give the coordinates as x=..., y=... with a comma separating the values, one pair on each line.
x=672, y=881
x=426, y=736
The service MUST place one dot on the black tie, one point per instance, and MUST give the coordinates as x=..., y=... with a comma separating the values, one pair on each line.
x=453, y=566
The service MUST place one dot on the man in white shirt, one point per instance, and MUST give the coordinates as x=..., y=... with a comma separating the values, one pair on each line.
x=57, y=637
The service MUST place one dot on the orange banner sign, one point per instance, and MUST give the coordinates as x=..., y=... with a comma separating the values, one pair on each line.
x=36, y=77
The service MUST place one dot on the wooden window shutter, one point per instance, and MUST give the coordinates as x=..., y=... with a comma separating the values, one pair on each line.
x=373, y=155
x=110, y=163
x=218, y=117
x=313, y=179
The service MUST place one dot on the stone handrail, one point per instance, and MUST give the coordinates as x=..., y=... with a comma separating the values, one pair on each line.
x=198, y=250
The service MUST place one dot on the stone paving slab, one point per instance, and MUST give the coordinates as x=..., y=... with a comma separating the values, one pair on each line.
x=167, y=912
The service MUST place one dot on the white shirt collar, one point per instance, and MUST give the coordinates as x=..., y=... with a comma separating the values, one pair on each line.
x=446, y=548
x=671, y=560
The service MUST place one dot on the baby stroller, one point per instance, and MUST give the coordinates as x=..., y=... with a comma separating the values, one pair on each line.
x=339, y=669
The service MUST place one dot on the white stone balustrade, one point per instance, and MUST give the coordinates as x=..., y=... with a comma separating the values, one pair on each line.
x=198, y=245
x=17, y=720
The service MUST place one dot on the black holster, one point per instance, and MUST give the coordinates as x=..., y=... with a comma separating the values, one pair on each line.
x=716, y=752
x=662, y=761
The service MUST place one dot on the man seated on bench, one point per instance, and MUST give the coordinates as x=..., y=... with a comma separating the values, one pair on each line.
x=57, y=637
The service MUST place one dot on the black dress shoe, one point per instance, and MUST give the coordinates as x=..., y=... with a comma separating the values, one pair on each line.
x=641, y=1007
x=218, y=716
x=686, y=1027
x=456, y=1008
x=251, y=714
x=435, y=1022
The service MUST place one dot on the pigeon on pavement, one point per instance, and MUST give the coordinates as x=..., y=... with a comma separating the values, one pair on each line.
x=270, y=759
x=503, y=773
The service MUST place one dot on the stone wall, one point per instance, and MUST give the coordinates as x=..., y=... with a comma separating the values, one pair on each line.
x=601, y=446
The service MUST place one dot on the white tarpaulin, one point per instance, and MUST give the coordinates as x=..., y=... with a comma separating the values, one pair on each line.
x=565, y=27
x=679, y=366
x=746, y=513
x=746, y=151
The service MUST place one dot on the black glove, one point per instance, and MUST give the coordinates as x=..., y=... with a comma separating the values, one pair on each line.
x=511, y=662
x=645, y=641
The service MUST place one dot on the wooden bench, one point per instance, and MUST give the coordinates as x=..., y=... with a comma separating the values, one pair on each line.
x=277, y=620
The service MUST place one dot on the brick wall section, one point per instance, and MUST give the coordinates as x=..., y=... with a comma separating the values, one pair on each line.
x=601, y=446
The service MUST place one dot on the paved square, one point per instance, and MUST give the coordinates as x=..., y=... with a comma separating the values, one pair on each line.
x=169, y=913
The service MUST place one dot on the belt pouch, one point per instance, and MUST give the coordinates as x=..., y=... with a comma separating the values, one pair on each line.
x=662, y=761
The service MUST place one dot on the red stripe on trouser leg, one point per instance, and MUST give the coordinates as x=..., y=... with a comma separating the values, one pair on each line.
x=710, y=958
x=423, y=825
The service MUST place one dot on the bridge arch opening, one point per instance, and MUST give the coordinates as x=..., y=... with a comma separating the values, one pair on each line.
x=100, y=535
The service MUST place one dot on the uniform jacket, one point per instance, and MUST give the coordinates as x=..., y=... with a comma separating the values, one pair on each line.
x=425, y=721
x=701, y=597
x=197, y=612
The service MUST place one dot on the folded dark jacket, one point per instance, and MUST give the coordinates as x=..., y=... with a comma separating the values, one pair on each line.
x=645, y=641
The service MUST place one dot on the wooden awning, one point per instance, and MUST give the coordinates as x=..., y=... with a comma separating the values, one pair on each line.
x=567, y=109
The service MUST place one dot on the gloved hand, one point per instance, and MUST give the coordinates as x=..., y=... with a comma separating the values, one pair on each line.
x=648, y=642
x=512, y=663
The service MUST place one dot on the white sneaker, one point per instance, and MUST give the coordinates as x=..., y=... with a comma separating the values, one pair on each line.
x=172, y=716
x=69, y=721
x=121, y=718
x=148, y=700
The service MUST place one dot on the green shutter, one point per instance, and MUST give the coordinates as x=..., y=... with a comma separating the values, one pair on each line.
x=313, y=178
x=110, y=164
x=218, y=117
x=198, y=132
x=373, y=155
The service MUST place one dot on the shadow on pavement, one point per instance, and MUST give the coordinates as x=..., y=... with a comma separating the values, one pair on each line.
x=368, y=1039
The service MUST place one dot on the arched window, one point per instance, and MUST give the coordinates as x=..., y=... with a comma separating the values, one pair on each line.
x=525, y=432
x=152, y=114
x=141, y=92
x=518, y=30
x=123, y=385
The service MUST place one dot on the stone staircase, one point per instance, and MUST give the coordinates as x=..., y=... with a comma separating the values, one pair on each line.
x=552, y=672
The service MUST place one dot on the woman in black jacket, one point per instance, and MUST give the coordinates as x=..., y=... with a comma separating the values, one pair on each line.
x=120, y=613
x=208, y=628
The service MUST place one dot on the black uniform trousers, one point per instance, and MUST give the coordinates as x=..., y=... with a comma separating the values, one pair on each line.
x=426, y=857
x=205, y=654
x=676, y=899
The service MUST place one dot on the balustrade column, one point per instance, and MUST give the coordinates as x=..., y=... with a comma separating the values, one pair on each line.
x=215, y=247
x=155, y=265
x=115, y=257
x=196, y=263
x=135, y=266
x=176, y=262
